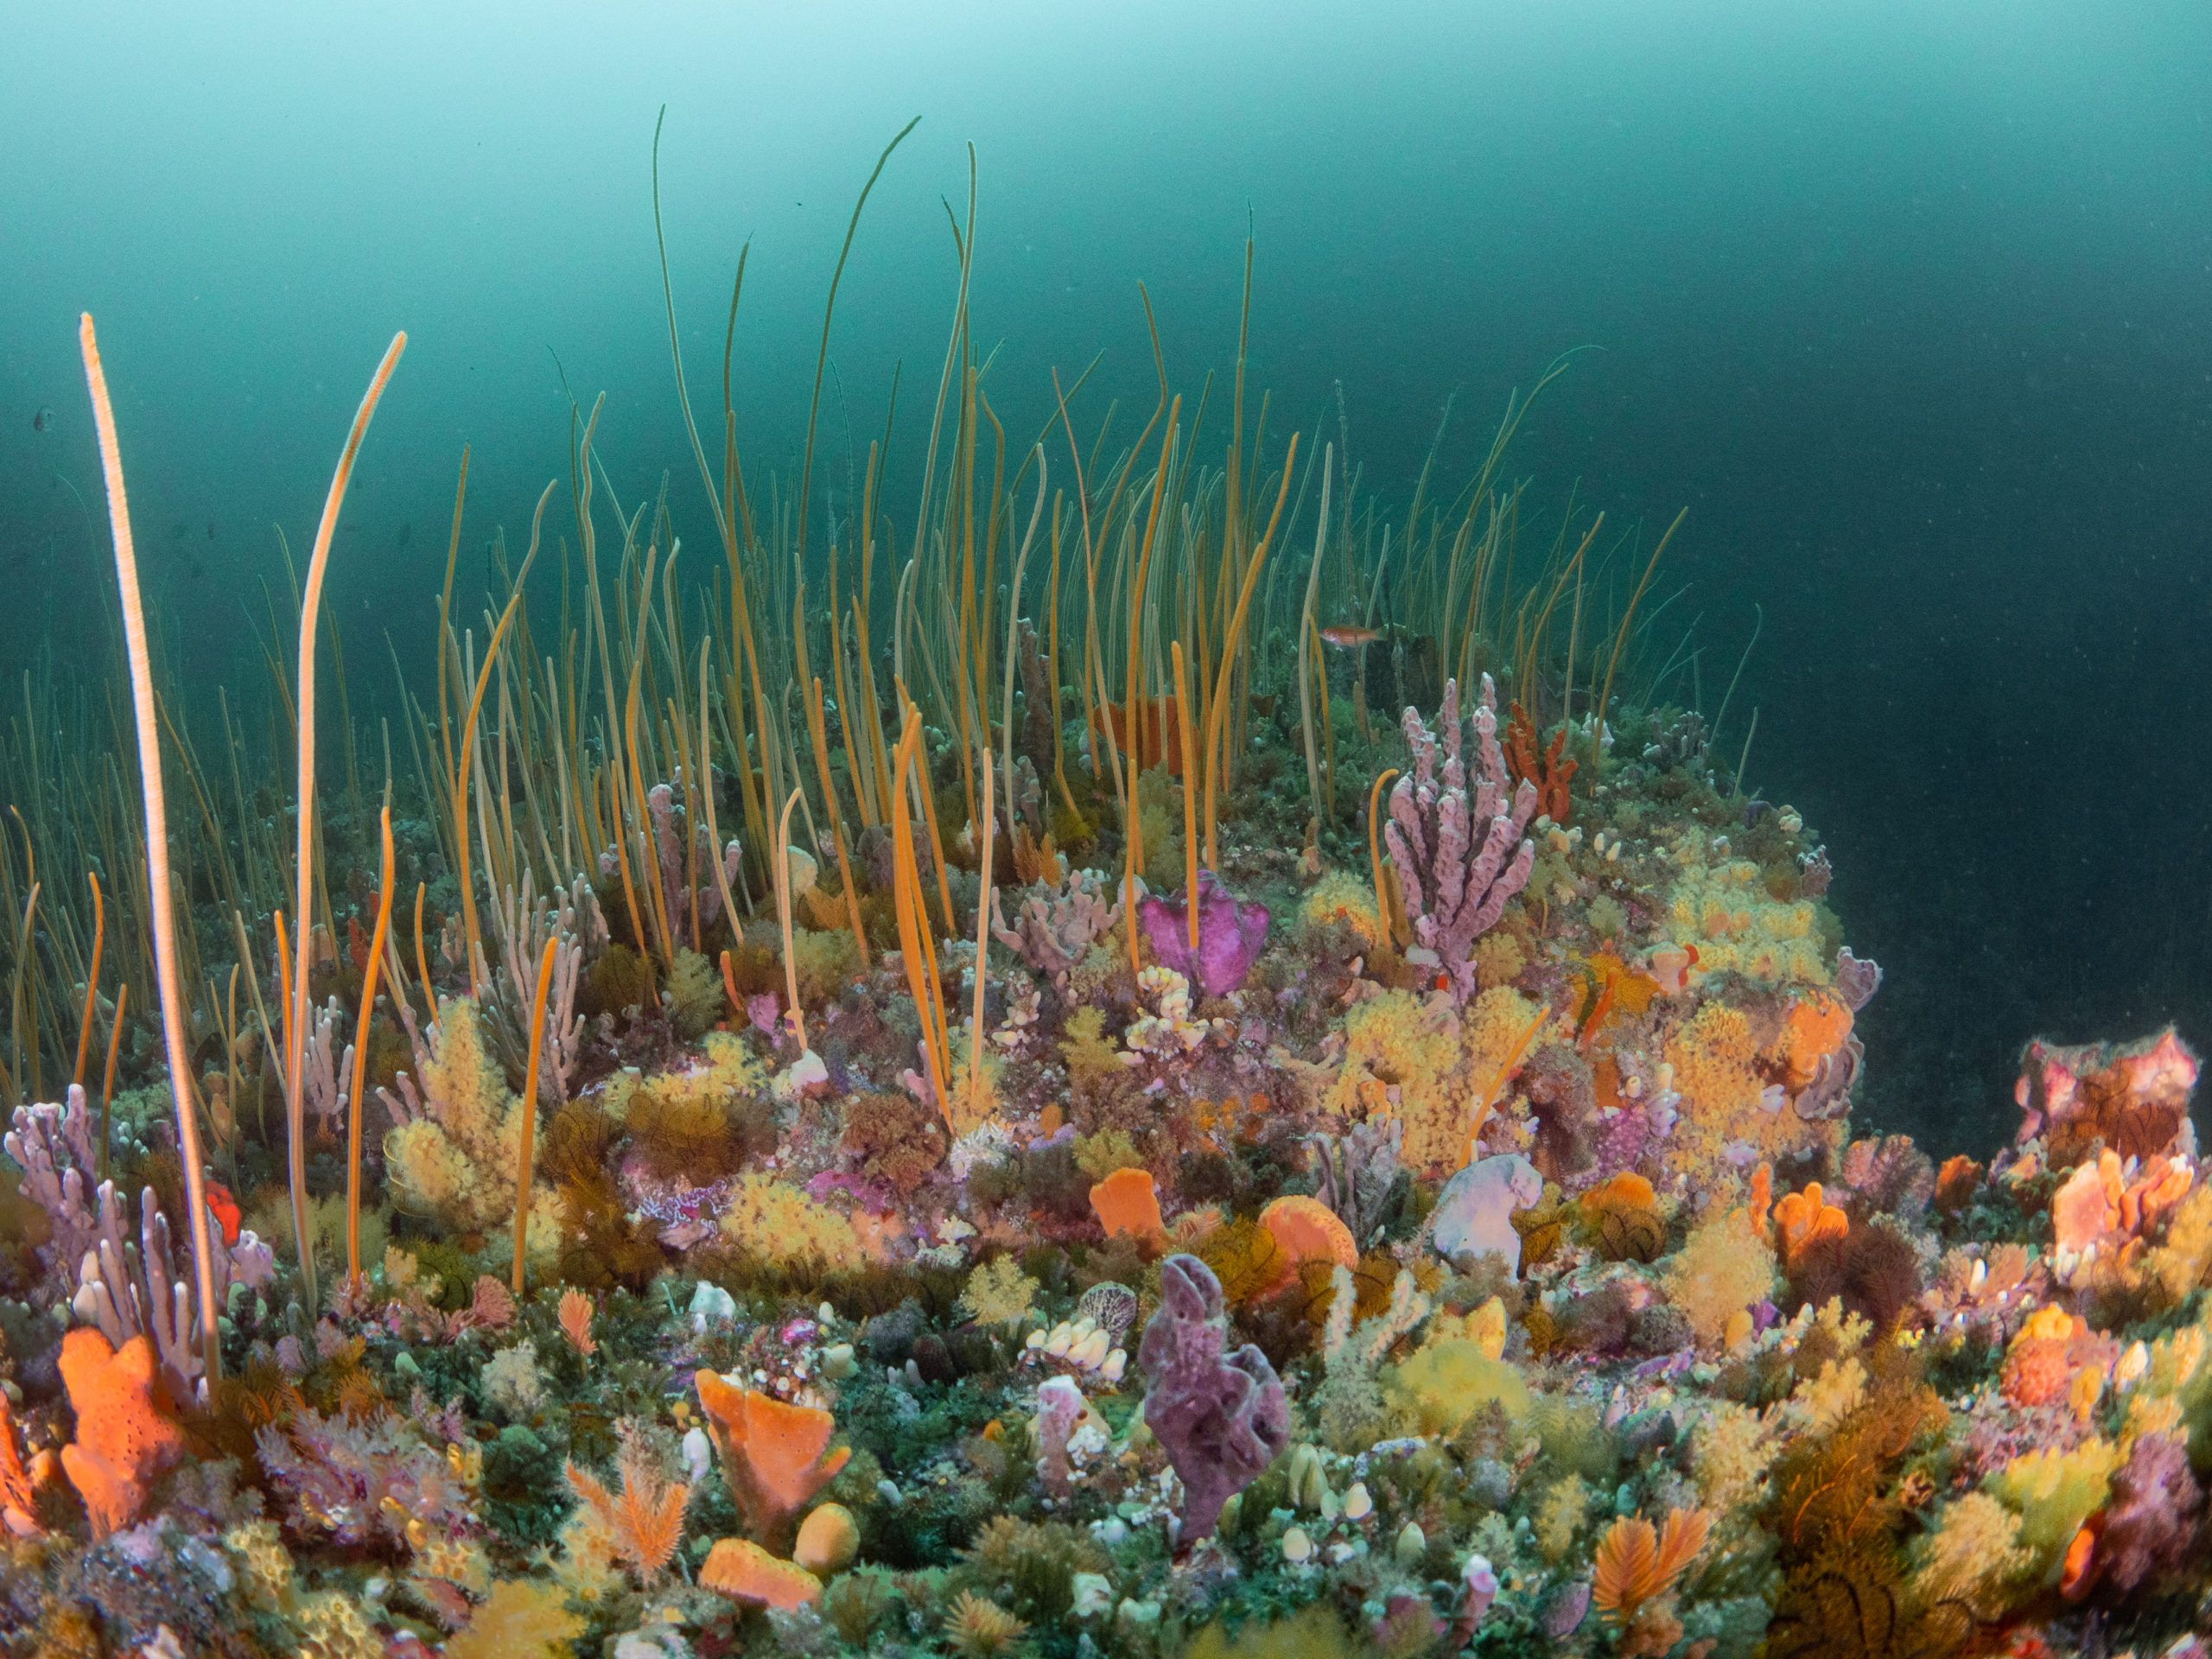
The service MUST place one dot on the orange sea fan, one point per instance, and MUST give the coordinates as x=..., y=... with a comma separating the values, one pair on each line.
x=1551, y=775
x=575, y=1322
x=1955, y=1183
x=646, y=1518
x=1636, y=1563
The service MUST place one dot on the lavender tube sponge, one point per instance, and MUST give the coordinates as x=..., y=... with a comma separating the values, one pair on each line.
x=1222, y=1419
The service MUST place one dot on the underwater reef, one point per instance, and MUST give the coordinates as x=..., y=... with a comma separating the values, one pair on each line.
x=1153, y=1161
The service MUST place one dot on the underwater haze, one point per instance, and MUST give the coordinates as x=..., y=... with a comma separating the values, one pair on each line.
x=1906, y=303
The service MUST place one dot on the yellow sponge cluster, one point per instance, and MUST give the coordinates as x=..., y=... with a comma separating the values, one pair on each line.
x=1725, y=911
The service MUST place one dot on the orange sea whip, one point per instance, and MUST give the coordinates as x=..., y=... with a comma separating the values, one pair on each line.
x=1374, y=857
x=1490, y=1095
x=713, y=830
x=982, y=943
x=92, y=978
x=1228, y=654
x=1133, y=839
x=422, y=961
x=815, y=727
x=157, y=854
x=937, y=839
x=107, y=1083
x=1190, y=796
x=914, y=946
x=1013, y=632
x=529, y=1105
x=1306, y=632
x=310, y=605
x=467, y=752
x=362, y=1059
x=784, y=914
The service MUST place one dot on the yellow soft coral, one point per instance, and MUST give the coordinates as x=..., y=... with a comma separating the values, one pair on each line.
x=457, y=1162
x=1559, y=1513
x=524, y=1619
x=1732, y=1448
x=1422, y=1061
x=1973, y=1553
x=778, y=1223
x=1341, y=896
x=1723, y=1269
x=1499, y=959
x=1444, y=1384
x=1723, y=909
x=1833, y=1396
x=2053, y=1493
x=968, y=1115
x=2180, y=1264
x=729, y=1070
x=1712, y=1058
x=1402, y=1059
x=2174, y=1395
x=1496, y=1023
x=264, y=1566
x=822, y=962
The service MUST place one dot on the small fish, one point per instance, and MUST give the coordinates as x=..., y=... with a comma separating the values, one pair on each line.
x=211, y=529
x=40, y=421
x=225, y=1208
x=406, y=535
x=1345, y=636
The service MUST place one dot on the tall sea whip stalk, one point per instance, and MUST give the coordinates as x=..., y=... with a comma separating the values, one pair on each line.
x=361, y=1055
x=982, y=945
x=157, y=852
x=528, y=1145
x=302, y=915
x=784, y=916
